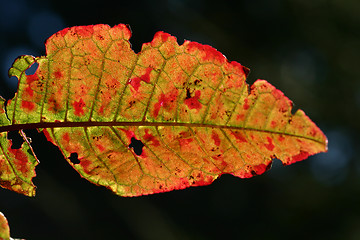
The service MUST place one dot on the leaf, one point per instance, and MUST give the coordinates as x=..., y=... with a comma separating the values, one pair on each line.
x=169, y=117
x=4, y=228
x=17, y=166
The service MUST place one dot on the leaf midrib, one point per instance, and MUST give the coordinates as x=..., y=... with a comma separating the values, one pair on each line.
x=17, y=127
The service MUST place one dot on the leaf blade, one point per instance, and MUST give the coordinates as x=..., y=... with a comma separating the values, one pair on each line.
x=188, y=106
x=4, y=228
x=17, y=166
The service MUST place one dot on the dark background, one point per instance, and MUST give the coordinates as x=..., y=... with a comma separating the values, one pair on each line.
x=309, y=49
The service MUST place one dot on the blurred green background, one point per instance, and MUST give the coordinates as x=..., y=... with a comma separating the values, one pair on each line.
x=309, y=49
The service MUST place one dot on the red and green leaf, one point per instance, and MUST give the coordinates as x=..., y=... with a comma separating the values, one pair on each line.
x=4, y=228
x=169, y=117
x=17, y=166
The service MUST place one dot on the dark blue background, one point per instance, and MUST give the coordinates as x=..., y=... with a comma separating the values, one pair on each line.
x=307, y=49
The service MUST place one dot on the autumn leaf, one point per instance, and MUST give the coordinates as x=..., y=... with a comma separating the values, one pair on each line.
x=169, y=117
x=4, y=228
x=17, y=166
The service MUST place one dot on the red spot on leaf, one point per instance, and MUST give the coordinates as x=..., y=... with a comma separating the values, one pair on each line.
x=270, y=146
x=301, y=156
x=313, y=132
x=129, y=134
x=185, y=141
x=193, y=102
x=273, y=124
x=166, y=101
x=164, y=36
x=220, y=158
x=281, y=138
x=124, y=29
x=135, y=82
x=246, y=104
x=85, y=164
x=239, y=136
x=66, y=137
x=28, y=105
x=85, y=31
x=159, y=104
x=29, y=91
x=150, y=138
x=201, y=180
x=79, y=107
x=48, y=136
x=254, y=170
x=277, y=94
x=63, y=32
x=240, y=117
x=100, y=147
x=21, y=160
x=29, y=80
x=216, y=138
x=58, y=74
x=184, y=183
x=54, y=106
x=101, y=109
x=209, y=53
x=260, y=169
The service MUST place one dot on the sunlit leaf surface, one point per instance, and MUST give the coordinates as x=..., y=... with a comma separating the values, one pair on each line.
x=169, y=117
x=4, y=228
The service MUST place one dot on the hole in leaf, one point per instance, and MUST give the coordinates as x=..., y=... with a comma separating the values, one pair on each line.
x=137, y=146
x=188, y=94
x=8, y=90
x=74, y=158
x=32, y=69
x=293, y=109
x=16, y=139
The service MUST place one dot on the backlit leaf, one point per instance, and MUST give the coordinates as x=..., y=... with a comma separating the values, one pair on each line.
x=17, y=166
x=169, y=117
x=4, y=228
